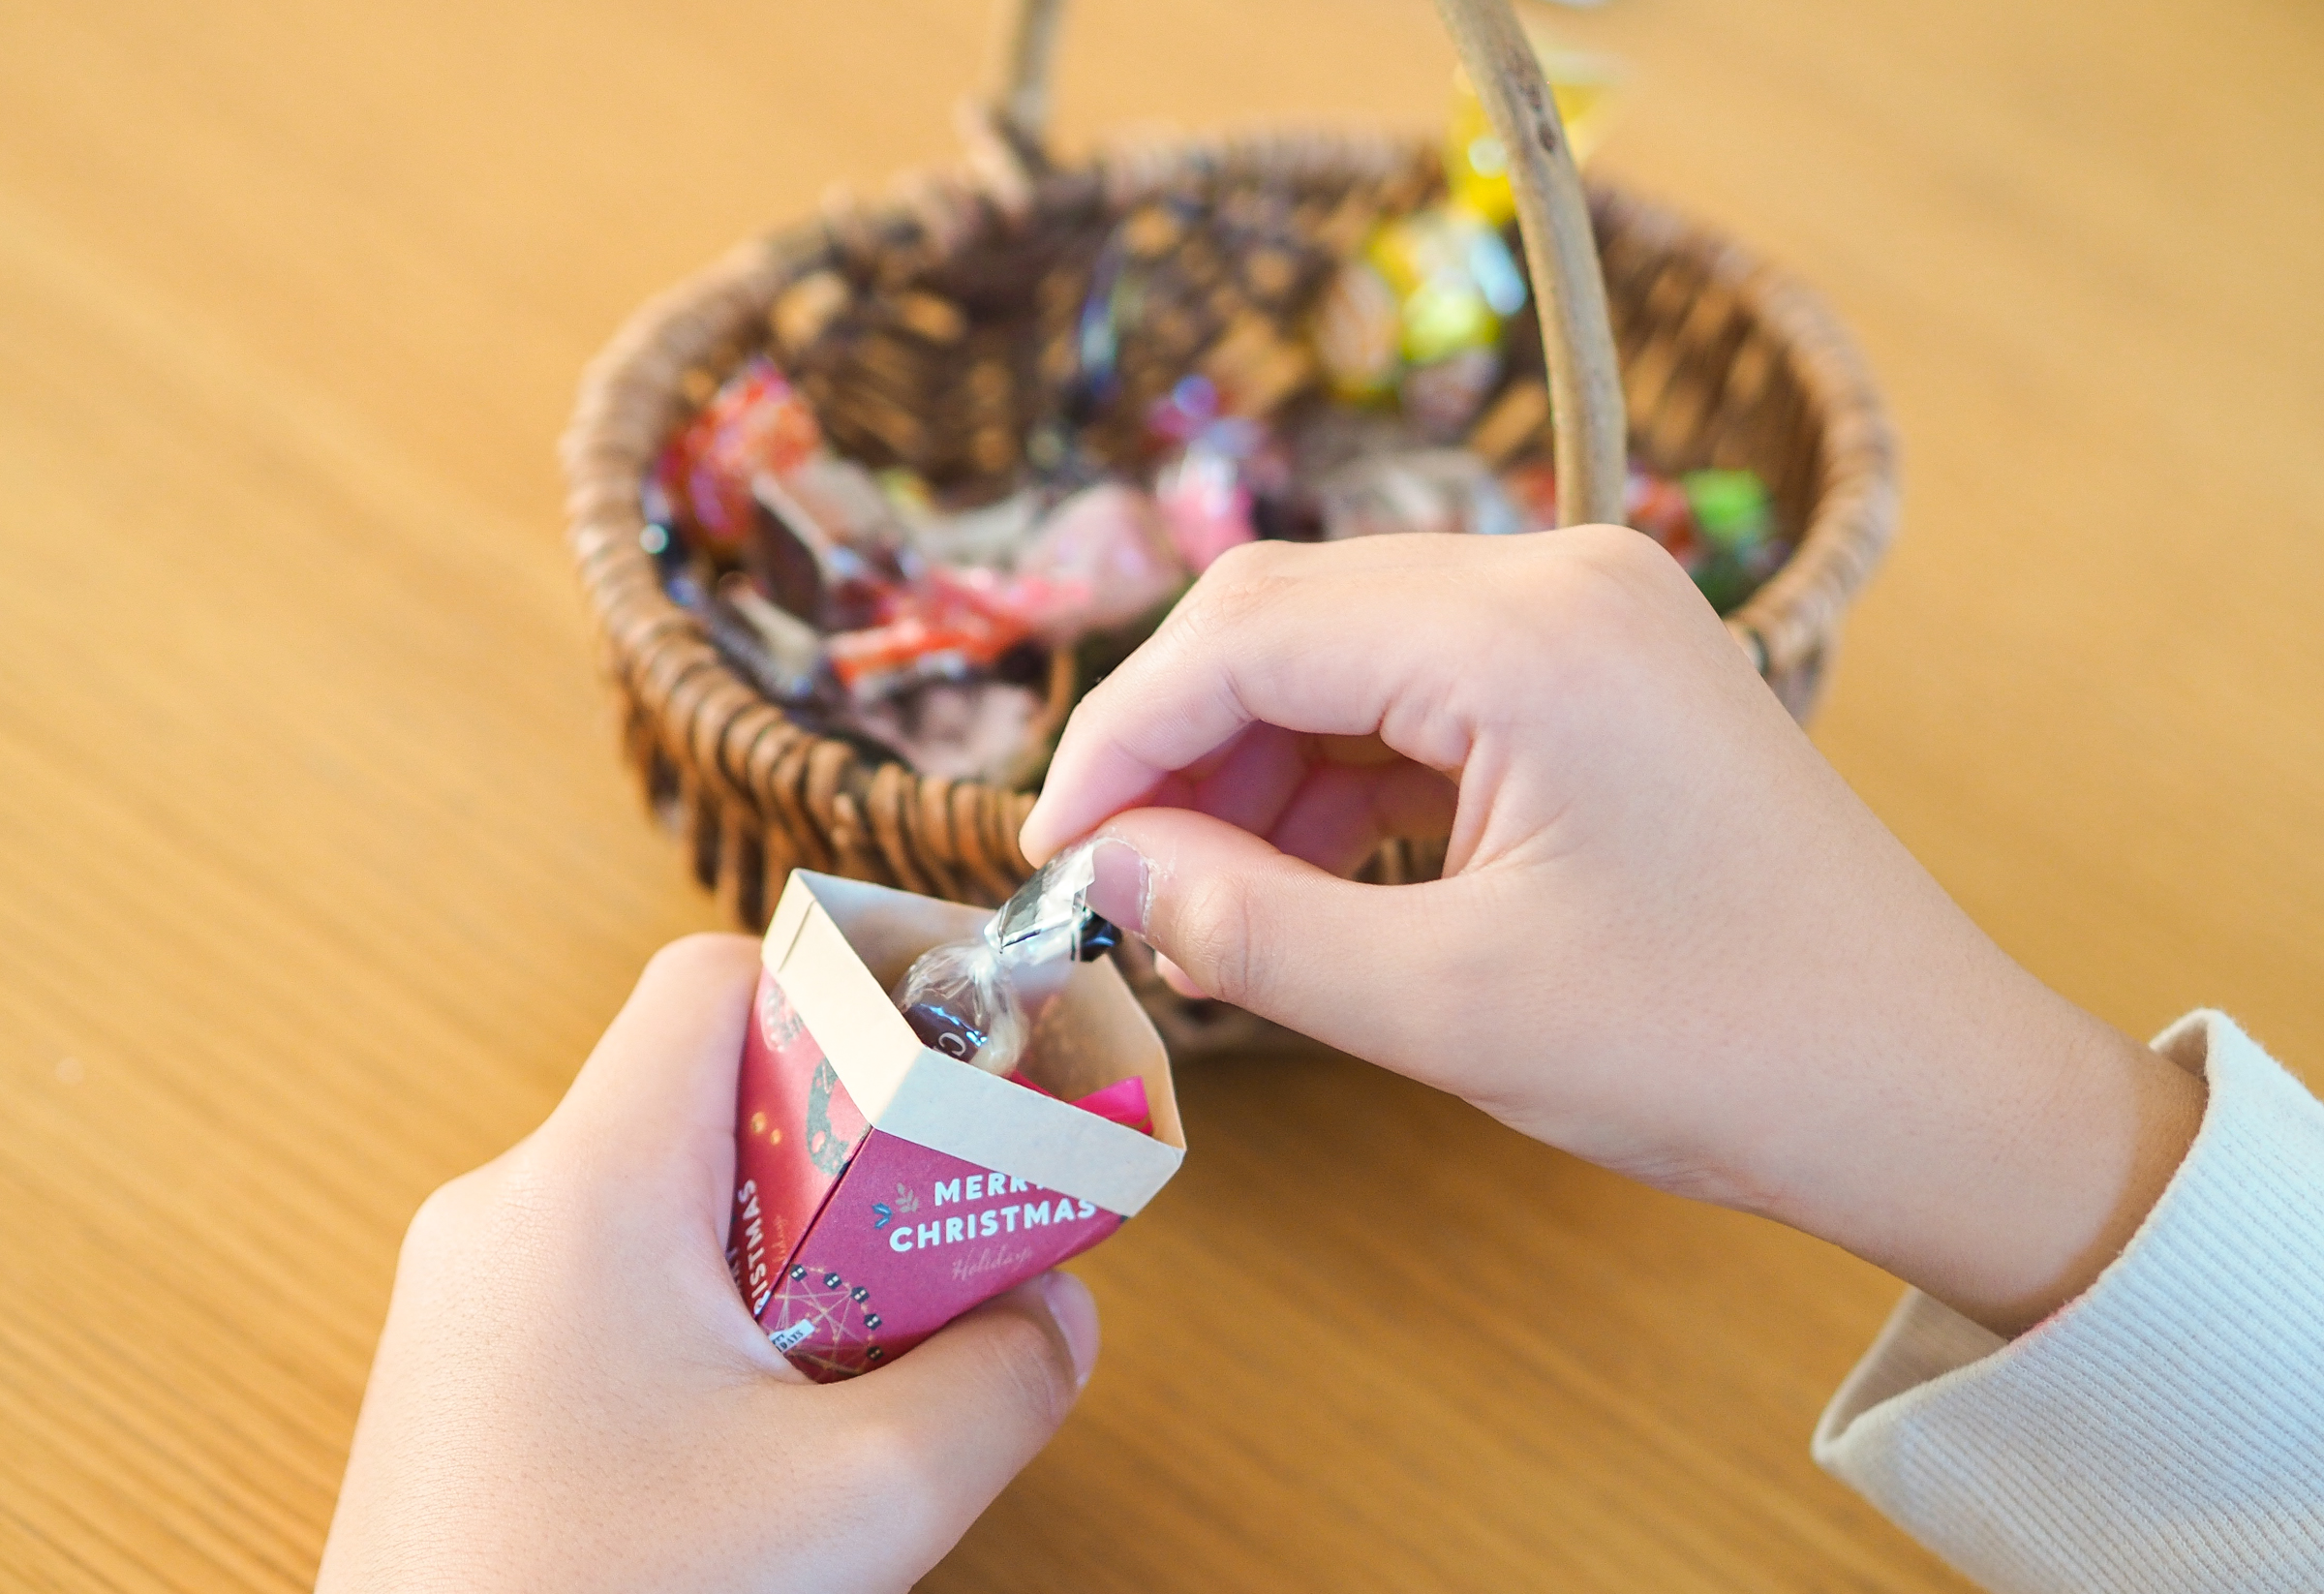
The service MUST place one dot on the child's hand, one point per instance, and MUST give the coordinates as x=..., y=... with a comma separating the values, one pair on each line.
x=570, y=1395
x=1670, y=938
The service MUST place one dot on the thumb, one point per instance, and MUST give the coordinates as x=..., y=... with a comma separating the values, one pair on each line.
x=979, y=1398
x=1253, y=926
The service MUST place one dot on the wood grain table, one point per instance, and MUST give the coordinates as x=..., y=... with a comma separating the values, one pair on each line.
x=318, y=875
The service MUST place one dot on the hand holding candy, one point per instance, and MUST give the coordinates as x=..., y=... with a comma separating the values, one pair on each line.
x=1670, y=938
x=981, y=1000
x=570, y=1394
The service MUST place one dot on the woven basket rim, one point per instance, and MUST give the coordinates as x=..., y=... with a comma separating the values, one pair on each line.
x=710, y=716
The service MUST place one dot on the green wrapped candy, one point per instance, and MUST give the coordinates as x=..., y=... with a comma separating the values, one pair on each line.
x=1730, y=508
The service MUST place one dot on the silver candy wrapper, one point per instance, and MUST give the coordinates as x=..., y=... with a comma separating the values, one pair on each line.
x=979, y=1001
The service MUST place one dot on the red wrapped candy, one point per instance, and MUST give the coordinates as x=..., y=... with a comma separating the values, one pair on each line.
x=945, y=624
x=1654, y=504
x=754, y=423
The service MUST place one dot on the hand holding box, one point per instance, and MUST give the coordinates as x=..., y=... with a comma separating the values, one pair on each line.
x=882, y=1187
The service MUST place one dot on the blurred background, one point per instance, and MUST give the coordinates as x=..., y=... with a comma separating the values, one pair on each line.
x=319, y=872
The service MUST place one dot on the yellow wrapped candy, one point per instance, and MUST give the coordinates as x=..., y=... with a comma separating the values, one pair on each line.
x=1477, y=167
x=1416, y=313
x=1427, y=286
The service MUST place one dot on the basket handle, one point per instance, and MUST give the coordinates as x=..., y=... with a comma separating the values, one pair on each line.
x=1554, y=217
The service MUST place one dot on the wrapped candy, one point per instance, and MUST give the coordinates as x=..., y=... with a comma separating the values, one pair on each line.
x=1533, y=489
x=814, y=559
x=1206, y=494
x=1658, y=506
x=980, y=1001
x=755, y=424
x=881, y=1187
x=672, y=561
x=990, y=537
x=1096, y=349
x=1191, y=407
x=907, y=493
x=1719, y=524
x=851, y=505
x=1477, y=166
x=1103, y=558
x=780, y=653
x=943, y=626
x=1417, y=313
x=1736, y=520
x=1443, y=396
x=1730, y=507
x=1651, y=503
x=1358, y=333
x=1417, y=490
x=1454, y=278
x=957, y=730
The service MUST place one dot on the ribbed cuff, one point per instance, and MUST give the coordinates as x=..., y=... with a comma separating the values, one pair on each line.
x=2165, y=1429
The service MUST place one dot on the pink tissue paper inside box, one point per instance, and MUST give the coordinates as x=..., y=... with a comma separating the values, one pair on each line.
x=882, y=1188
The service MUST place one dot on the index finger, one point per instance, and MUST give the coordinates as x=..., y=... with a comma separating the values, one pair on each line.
x=1336, y=640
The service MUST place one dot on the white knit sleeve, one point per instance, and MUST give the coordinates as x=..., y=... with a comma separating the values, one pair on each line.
x=2165, y=1429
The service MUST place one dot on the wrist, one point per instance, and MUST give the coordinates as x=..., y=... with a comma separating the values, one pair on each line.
x=2097, y=1149
x=2016, y=1162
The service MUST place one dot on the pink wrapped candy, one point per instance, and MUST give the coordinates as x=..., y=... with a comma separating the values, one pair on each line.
x=1103, y=558
x=1205, y=500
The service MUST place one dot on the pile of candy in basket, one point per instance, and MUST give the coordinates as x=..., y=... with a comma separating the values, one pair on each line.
x=953, y=625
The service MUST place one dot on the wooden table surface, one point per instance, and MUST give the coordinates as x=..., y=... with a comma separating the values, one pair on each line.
x=318, y=874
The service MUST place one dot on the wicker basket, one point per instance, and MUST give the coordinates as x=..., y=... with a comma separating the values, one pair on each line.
x=917, y=329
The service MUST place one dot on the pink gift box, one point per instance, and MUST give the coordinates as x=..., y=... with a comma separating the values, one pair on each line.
x=882, y=1188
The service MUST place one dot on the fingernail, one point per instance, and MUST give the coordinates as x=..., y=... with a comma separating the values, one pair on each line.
x=1031, y=833
x=1075, y=1312
x=1119, y=889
